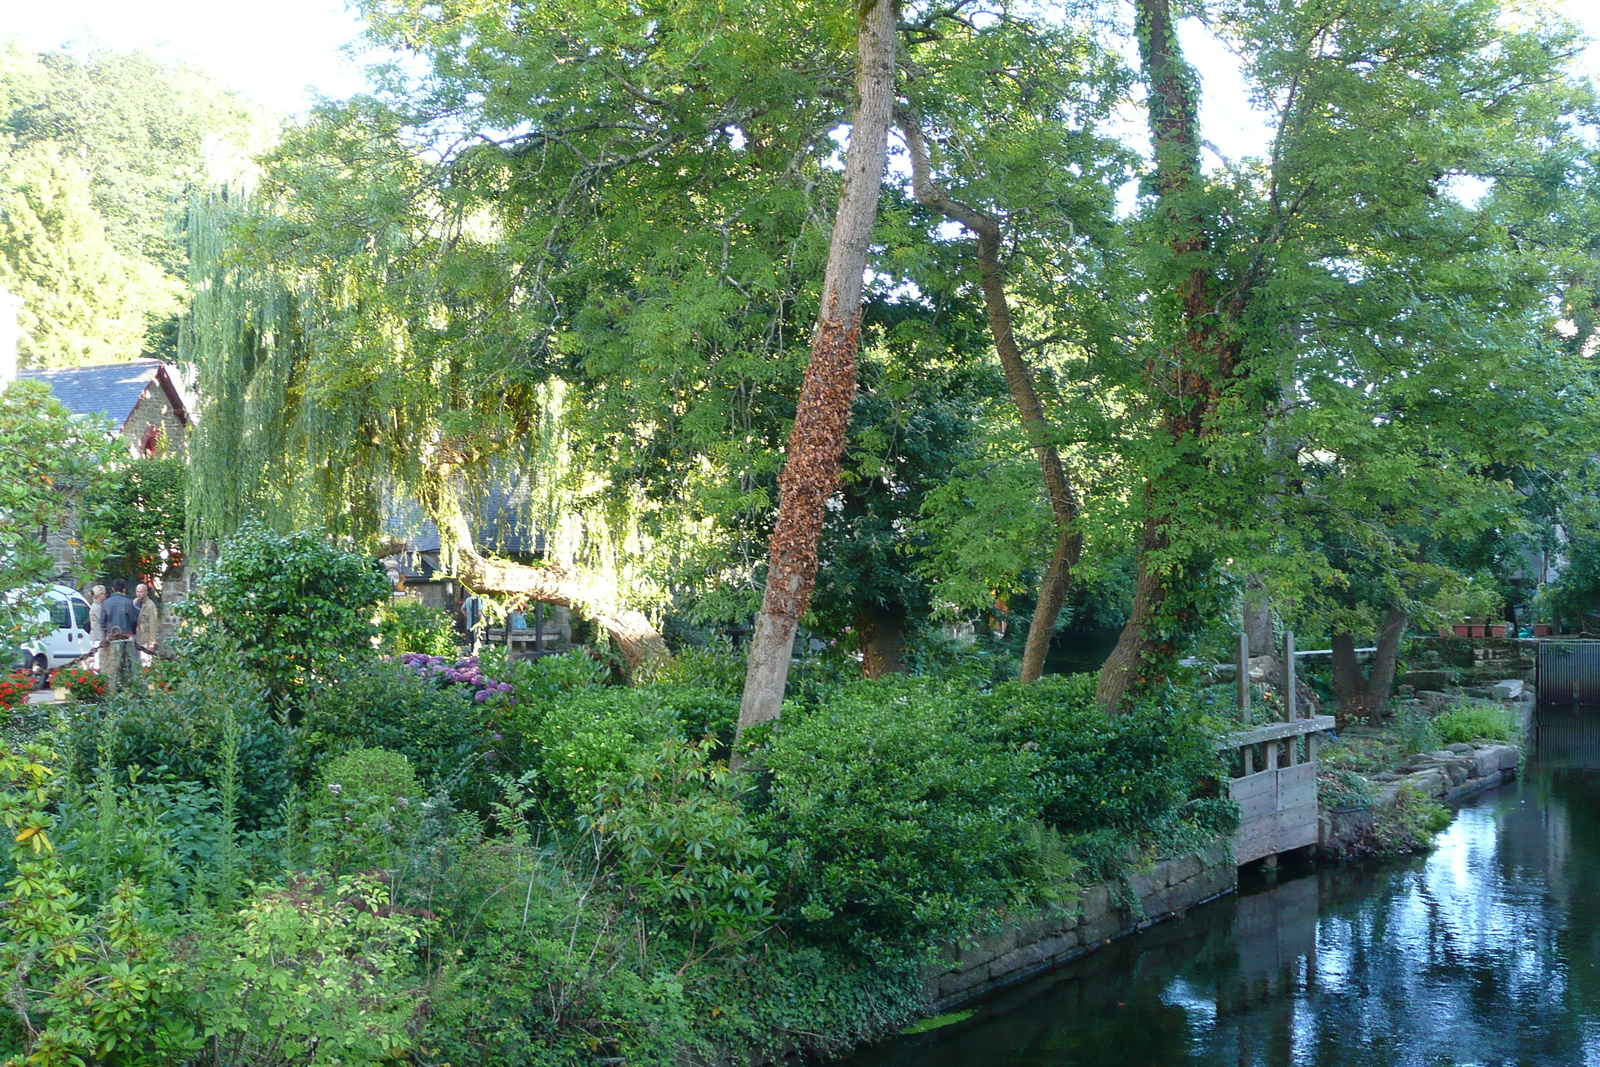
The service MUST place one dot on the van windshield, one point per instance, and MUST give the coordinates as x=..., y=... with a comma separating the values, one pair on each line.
x=58, y=615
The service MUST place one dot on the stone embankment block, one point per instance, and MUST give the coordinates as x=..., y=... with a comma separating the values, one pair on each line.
x=1063, y=932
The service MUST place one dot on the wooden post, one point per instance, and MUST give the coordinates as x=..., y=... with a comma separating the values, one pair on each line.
x=1272, y=756
x=1291, y=712
x=1244, y=677
x=1249, y=762
x=538, y=627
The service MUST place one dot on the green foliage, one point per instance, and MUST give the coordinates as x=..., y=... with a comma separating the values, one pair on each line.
x=406, y=625
x=84, y=301
x=101, y=984
x=1410, y=825
x=685, y=850
x=590, y=737
x=292, y=606
x=1151, y=778
x=319, y=972
x=444, y=734
x=179, y=731
x=142, y=507
x=904, y=823
x=363, y=809
x=1473, y=722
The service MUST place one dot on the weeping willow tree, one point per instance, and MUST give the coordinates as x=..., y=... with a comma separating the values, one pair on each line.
x=329, y=405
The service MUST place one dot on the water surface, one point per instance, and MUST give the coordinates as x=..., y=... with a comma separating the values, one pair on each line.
x=1485, y=952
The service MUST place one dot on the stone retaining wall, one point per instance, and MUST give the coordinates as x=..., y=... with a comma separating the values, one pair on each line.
x=1066, y=931
x=1448, y=776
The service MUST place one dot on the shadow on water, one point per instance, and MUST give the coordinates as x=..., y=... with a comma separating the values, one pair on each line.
x=1485, y=952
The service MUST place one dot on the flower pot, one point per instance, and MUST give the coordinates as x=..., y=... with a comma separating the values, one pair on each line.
x=1541, y=629
x=1445, y=631
x=1477, y=629
x=1462, y=629
x=1497, y=629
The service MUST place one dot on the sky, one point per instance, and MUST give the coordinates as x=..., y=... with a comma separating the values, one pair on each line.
x=285, y=53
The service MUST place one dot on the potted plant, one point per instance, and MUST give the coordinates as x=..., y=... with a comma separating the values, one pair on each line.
x=1462, y=629
x=1497, y=629
x=1476, y=626
x=1543, y=612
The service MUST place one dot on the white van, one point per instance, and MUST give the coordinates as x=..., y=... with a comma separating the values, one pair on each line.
x=68, y=615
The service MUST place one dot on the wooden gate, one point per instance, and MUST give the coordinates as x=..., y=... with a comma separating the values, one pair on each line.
x=1277, y=804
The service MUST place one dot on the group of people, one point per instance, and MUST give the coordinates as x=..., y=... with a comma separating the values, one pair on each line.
x=115, y=616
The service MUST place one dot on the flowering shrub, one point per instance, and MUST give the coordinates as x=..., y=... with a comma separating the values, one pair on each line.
x=14, y=689
x=463, y=671
x=81, y=683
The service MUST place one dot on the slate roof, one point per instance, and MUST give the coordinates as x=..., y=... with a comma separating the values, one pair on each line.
x=503, y=527
x=111, y=390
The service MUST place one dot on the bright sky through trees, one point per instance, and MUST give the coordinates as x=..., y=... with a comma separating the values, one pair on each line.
x=285, y=61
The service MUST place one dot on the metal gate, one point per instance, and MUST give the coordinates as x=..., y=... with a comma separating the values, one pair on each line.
x=1566, y=718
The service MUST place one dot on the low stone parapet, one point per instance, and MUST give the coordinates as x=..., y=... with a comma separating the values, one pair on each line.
x=1061, y=933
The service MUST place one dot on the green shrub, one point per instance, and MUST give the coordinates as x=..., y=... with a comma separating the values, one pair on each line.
x=589, y=736
x=291, y=605
x=446, y=735
x=313, y=973
x=551, y=970
x=1149, y=779
x=904, y=821
x=1473, y=722
x=174, y=732
x=684, y=851
x=407, y=625
x=362, y=811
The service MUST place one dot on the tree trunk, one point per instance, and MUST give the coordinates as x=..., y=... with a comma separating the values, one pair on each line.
x=630, y=631
x=1380, y=681
x=1186, y=376
x=1019, y=379
x=816, y=440
x=1367, y=697
x=883, y=640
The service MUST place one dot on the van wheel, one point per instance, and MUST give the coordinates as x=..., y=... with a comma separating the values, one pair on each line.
x=41, y=671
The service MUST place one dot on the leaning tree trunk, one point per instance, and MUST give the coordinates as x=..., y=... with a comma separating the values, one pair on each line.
x=1187, y=375
x=630, y=631
x=1019, y=379
x=1367, y=697
x=811, y=469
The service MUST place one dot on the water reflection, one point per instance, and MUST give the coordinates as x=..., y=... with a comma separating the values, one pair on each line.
x=1486, y=952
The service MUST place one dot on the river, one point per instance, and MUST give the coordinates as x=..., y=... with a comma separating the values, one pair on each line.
x=1484, y=952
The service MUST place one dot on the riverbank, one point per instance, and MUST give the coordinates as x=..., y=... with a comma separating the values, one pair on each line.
x=972, y=971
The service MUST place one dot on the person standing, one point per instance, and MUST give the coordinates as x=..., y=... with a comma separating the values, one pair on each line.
x=97, y=622
x=119, y=615
x=147, y=628
x=121, y=619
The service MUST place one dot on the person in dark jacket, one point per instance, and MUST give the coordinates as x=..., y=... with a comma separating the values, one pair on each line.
x=120, y=615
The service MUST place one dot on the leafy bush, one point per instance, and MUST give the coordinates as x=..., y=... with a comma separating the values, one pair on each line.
x=904, y=820
x=1412, y=730
x=1148, y=779
x=363, y=810
x=446, y=736
x=290, y=604
x=176, y=732
x=684, y=851
x=1473, y=722
x=407, y=625
x=591, y=735
x=314, y=973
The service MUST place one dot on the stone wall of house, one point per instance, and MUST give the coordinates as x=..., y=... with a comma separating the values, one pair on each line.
x=1094, y=918
x=154, y=409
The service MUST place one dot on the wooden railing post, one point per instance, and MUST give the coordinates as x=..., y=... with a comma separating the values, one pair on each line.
x=1289, y=708
x=1244, y=678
